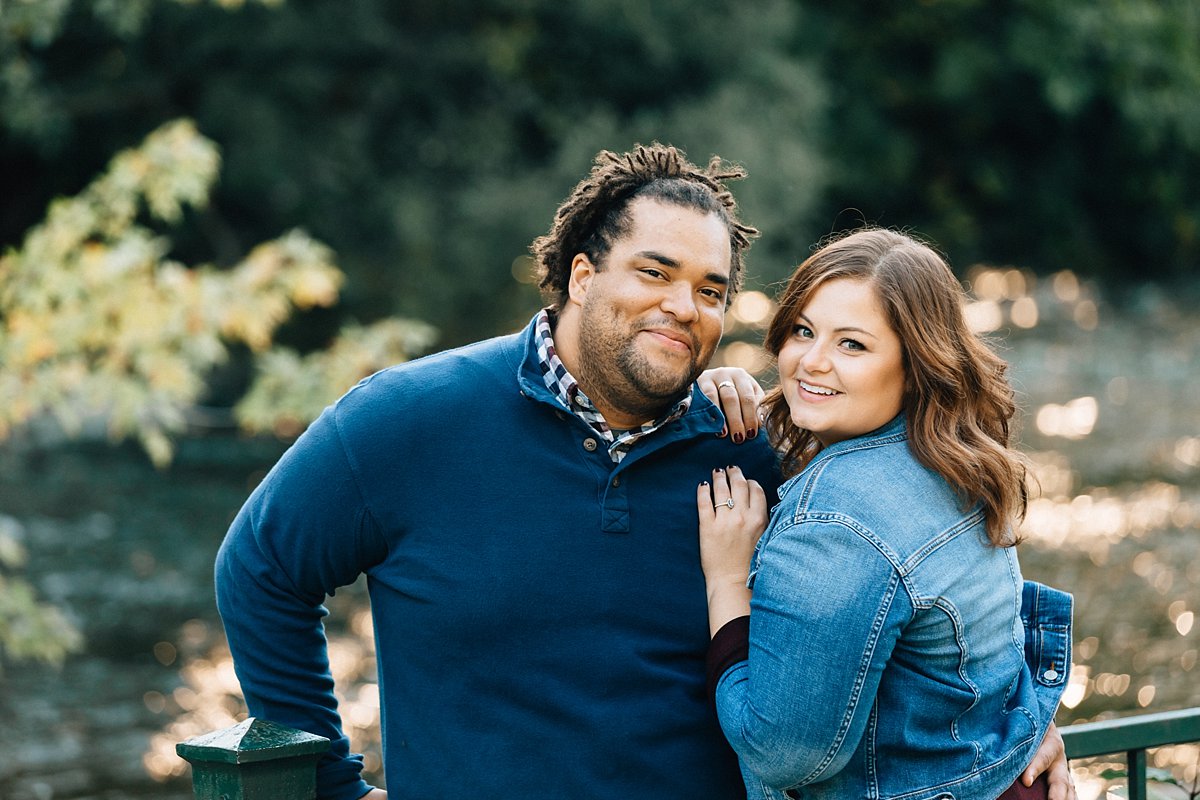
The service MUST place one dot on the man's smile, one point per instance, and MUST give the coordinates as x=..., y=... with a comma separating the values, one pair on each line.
x=672, y=339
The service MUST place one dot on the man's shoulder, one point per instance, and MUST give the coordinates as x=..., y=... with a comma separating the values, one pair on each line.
x=459, y=369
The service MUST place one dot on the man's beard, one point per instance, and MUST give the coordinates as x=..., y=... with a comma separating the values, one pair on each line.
x=617, y=373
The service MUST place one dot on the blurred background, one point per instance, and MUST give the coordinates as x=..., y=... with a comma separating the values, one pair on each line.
x=216, y=215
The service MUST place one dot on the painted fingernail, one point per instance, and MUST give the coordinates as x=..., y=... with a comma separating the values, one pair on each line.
x=738, y=438
x=753, y=434
x=724, y=432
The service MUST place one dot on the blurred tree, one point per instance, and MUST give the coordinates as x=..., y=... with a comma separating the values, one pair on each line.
x=29, y=629
x=97, y=322
x=426, y=142
x=1052, y=135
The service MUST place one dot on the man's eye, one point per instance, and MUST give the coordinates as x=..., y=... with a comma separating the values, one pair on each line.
x=712, y=293
x=653, y=273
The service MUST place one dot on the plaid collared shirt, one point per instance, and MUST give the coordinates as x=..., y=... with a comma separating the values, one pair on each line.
x=564, y=386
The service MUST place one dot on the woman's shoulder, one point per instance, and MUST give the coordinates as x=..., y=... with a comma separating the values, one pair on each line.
x=882, y=489
x=883, y=466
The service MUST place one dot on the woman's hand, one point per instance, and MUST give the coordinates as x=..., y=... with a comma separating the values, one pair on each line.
x=733, y=514
x=738, y=395
x=1051, y=758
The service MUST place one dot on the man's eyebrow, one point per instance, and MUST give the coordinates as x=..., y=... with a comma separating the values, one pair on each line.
x=654, y=255
x=667, y=261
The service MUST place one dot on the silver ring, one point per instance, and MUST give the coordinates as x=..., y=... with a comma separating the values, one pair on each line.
x=727, y=504
x=726, y=383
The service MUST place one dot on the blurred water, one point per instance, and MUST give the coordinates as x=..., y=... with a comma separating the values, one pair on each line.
x=1112, y=424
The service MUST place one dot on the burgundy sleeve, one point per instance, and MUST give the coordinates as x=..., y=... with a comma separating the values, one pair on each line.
x=728, y=647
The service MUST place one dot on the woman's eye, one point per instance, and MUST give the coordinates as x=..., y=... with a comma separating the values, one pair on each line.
x=851, y=344
x=802, y=331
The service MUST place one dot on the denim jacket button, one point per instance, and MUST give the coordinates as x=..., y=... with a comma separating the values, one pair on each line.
x=1050, y=674
x=589, y=445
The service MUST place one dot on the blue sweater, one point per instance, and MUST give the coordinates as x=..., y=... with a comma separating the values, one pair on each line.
x=540, y=612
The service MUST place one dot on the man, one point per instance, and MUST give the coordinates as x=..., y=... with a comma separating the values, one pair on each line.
x=521, y=509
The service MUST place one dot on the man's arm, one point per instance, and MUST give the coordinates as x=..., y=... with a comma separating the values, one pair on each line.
x=303, y=533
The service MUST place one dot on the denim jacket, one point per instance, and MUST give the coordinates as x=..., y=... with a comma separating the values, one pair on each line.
x=894, y=652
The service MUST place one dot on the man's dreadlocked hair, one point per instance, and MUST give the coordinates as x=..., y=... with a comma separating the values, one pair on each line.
x=596, y=213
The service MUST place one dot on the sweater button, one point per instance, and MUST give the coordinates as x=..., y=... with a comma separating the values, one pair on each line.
x=590, y=445
x=616, y=481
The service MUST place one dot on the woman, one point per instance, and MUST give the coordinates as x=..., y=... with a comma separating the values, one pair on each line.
x=884, y=652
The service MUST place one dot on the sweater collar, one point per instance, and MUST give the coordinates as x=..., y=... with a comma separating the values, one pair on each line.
x=542, y=376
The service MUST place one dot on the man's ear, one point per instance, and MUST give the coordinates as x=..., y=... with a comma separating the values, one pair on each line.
x=582, y=272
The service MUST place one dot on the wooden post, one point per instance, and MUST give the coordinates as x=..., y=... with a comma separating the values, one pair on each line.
x=254, y=760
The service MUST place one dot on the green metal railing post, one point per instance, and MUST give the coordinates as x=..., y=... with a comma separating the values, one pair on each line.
x=1132, y=736
x=1135, y=769
x=254, y=760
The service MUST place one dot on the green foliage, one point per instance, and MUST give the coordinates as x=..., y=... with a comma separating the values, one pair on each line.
x=1050, y=135
x=29, y=629
x=429, y=142
x=99, y=322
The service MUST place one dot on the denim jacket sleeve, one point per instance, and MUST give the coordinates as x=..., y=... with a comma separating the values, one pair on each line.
x=827, y=610
x=1046, y=613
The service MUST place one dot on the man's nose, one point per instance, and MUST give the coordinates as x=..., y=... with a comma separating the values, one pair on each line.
x=680, y=302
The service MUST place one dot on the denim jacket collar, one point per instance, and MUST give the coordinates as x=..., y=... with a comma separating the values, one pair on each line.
x=893, y=431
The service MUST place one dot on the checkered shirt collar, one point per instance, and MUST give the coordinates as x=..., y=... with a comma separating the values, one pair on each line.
x=566, y=389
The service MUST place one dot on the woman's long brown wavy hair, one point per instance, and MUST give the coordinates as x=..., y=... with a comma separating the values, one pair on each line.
x=957, y=403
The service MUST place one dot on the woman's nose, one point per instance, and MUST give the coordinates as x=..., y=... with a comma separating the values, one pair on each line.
x=816, y=359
